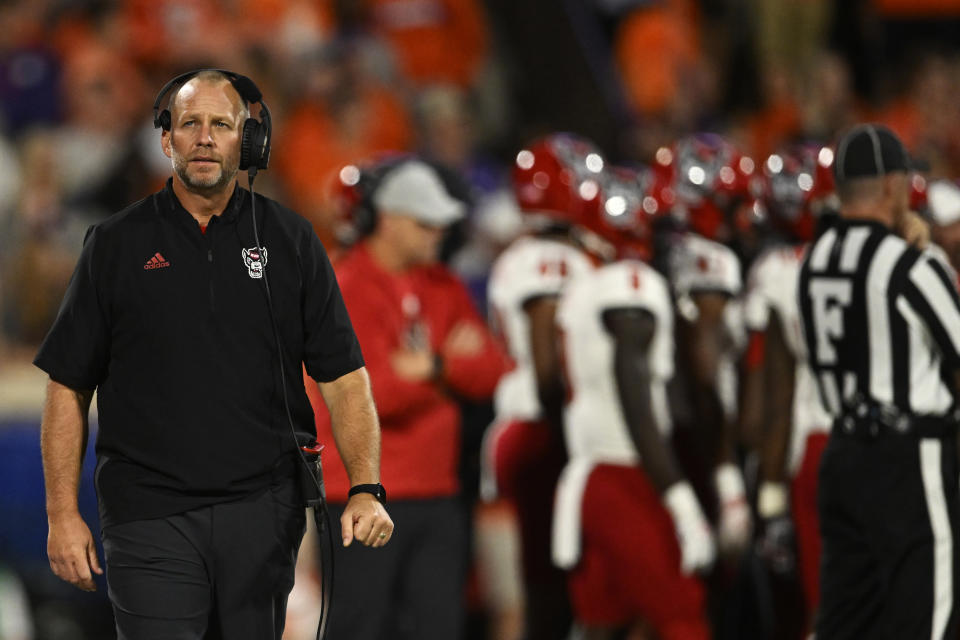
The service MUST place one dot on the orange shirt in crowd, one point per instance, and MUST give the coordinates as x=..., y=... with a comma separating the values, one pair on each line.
x=436, y=41
x=653, y=47
x=420, y=421
x=302, y=22
x=178, y=32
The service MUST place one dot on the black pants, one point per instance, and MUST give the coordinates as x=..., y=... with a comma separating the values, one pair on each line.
x=410, y=589
x=220, y=572
x=889, y=520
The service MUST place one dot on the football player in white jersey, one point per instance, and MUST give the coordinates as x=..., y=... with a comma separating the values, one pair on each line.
x=781, y=407
x=627, y=523
x=709, y=188
x=556, y=183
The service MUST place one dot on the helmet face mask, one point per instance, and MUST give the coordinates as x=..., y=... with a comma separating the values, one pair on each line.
x=629, y=207
x=710, y=181
x=799, y=185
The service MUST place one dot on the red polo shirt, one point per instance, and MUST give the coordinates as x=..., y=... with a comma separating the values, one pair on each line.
x=420, y=421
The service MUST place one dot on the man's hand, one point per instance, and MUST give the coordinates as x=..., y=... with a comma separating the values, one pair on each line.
x=413, y=365
x=366, y=521
x=776, y=543
x=697, y=549
x=915, y=230
x=466, y=339
x=735, y=525
x=72, y=553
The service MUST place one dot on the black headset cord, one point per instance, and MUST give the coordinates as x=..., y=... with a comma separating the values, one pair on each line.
x=321, y=516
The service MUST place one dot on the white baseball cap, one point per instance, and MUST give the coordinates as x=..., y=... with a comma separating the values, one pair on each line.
x=415, y=189
x=943, y=199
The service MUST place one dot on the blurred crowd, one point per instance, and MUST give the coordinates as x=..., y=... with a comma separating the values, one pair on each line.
x=464, y=84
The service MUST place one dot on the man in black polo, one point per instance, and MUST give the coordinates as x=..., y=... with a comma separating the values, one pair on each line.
x=881, y=323
x=170, y=317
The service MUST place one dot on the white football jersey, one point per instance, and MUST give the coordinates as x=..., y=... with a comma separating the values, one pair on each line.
x=529, y=268
x=697, y=265
x=594, y=425
x=772, y=285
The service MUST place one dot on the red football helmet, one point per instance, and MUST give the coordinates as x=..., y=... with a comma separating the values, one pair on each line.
x=558, y=178
x=343, y=197
x=630, y=204
x=918, y=193
x=799, y=184
x=710, y=183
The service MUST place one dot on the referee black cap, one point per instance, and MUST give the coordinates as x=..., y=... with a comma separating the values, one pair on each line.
x=869, y=150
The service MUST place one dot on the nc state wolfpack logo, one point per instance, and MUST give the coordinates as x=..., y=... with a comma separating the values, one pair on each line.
x=256, y=259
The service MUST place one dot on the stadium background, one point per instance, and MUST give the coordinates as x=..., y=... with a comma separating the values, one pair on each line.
x=464, y=82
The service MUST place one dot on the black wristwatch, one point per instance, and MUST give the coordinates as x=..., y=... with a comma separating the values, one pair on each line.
x=376, y=490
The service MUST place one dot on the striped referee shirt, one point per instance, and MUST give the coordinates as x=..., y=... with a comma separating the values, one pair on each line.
x=881, y=321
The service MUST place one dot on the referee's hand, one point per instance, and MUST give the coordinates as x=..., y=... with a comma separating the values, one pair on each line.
x=72, y=553
x=366, y=520
x=915, y=230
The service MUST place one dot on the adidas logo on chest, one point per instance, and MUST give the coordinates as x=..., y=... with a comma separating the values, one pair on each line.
x=156, y=262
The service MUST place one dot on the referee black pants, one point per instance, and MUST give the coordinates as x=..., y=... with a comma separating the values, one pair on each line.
x=413, y=588
x=221, y=572
x=889, y=519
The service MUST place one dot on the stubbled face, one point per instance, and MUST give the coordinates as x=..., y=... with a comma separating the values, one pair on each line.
x=204, y=138
x=418, y=243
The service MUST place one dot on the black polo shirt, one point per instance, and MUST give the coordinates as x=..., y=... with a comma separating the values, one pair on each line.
x=172, y=327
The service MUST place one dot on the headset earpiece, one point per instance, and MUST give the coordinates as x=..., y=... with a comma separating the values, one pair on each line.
x=255, y=144
x=163, y=120
x=365, y=213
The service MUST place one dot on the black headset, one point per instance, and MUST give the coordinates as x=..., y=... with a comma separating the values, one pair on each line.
x=257, y=134
x=365, y=215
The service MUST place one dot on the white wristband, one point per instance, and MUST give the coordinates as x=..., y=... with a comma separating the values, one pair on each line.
x=771, y=500
x=681, y=502
x=729, y=481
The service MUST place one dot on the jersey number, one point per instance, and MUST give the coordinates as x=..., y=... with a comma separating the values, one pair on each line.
x=830, y=296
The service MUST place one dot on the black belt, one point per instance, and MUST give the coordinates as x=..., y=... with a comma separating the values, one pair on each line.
x=871, y=420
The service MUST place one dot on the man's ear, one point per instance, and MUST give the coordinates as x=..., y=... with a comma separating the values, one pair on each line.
x=892, y=186
x=165, y=140
x=889, y=185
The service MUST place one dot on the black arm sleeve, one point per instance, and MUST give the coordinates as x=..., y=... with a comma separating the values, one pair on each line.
x=76, y=351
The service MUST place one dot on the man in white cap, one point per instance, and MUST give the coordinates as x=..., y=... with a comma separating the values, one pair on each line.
x=423, y=342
